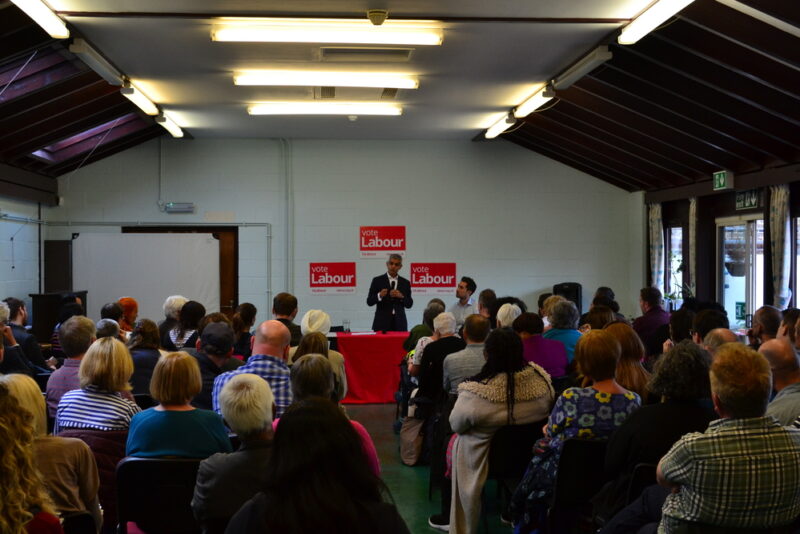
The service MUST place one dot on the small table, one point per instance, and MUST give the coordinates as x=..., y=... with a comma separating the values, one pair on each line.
x=372, y=362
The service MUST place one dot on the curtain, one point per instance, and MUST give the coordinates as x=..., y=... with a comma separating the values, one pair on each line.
x=780, y=239
x=656, y=232
x=690, y=272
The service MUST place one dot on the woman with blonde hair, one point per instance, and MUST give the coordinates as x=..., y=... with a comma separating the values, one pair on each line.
x=315, y=325
x=104, y=373
x=631, y=374
x=67, y=465
x=175, y=427
x=25, y=506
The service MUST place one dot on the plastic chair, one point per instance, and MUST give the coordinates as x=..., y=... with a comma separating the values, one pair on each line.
x=580, y=476
x=156, y=494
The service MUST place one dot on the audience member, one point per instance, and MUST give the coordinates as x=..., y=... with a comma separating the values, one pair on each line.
x=540, y=304
x=716, y=338
x=317, y=343
x=431, y=367
x=108, y=328
x=603, y=296
x=243, y=321
x=506, y=315
x=433, y=310
x=111, y=310
x=214, y=317
x=507, y=391
x=597, y=318
x=284, y=310
x=785, y=367
x=631, y=375
x=465, y=305
x=25, y=506
x=319, y=480
x=498, y=303
x=185, y=332
x=67, y=466
x=680, y=327
x=143, y=345
x=654, y=316
x=15, y=360
x=174, y=427
x=424, y=329
x=680, y=379
x=586, y=413
x=76, y=334
x=172, y=310
x=130, y=311
x=212, y=350
x=486, y=302
x=550, y=354
x=225, y=481
x=460, y=365
x=787, y=329
x=563, y=319
x=766, y=322
x=270, y=353
x=705, y=321
x=104, y=372
x=17, y=319
x=70, y=309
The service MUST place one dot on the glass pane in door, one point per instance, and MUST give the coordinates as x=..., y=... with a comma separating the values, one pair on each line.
x=757, y=238
x=733, y=273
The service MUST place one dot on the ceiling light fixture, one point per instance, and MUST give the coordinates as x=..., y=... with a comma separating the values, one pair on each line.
x=325, y=79
x=650, y=19
x=584, y=66
x=500, y=126
x=324, y=108
x=534, y=102
x=345, y=31
x=44, y=17
x=137, y=97
x=169, y=125
x=98, y=63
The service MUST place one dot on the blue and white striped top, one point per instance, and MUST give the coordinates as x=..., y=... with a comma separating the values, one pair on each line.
x=94, y=408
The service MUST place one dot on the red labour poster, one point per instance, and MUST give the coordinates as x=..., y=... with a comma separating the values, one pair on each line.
x=332, y=277
x=433, y=278
x=380, y=241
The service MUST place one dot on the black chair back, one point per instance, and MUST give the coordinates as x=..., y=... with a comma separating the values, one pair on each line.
x=643, y=475
x=156, y=494
x=580, y=476
x=511, y=450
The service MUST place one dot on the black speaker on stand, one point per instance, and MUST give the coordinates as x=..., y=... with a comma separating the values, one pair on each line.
x=571, y=291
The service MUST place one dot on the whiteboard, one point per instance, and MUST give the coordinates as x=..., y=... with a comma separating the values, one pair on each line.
x=147, y=267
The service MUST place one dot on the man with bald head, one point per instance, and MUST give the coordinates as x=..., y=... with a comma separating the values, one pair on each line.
x=785, y=366
x=766, y=323
x=269, y=356
x=716, y=338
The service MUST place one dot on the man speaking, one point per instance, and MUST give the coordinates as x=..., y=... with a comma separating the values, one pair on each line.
x=392, y=294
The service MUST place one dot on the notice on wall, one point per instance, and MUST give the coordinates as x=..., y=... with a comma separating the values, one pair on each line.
x=332, y=278
x=380, y=241
x=433, y=278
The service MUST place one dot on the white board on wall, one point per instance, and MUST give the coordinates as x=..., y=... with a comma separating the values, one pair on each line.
x=147, y=267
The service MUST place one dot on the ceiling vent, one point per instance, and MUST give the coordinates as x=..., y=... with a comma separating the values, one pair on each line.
x=324, y=93
x=365, y=55
x=389, y=93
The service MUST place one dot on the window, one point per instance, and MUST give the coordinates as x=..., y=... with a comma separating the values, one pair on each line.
x=741, y=268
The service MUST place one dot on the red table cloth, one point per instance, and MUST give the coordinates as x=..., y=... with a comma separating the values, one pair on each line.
x=372, y=362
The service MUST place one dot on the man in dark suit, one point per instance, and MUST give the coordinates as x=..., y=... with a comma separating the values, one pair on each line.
x=392, y=294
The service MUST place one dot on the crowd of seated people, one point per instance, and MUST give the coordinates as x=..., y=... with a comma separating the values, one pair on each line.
x=667, y=391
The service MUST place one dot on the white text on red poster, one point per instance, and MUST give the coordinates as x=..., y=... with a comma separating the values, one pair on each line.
x=380, y=241
x=433, y=278
x=332, y=278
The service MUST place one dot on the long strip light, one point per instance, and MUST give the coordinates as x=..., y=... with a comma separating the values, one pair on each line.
x=169, y=125
x=44, y=17
x=349, y=31
x=325, y=78
x=650, y=19
x=137, y=97
x=500, y=126
x=584, y=66
x=534, y=102
x=98, y=63
x=324, y=108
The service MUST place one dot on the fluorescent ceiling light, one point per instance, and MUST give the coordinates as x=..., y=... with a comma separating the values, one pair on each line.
x=169, y=125
x=324, y=108
x=135, y=95
x=44, y=17
x=349, y=31
x=534, y=102
x=500, y=126
x=325, y=79
x=650, y=20
x=98, y=63
x=587, y=64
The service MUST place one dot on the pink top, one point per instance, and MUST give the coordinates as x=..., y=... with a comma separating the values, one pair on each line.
x=366, y=443
x=549, y=353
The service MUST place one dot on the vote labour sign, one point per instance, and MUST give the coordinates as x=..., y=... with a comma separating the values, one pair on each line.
x=380, y=241
x=433, y=278
x=332, y=278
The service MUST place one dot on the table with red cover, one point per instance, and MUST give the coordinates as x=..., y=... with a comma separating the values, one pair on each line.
x=372, y=362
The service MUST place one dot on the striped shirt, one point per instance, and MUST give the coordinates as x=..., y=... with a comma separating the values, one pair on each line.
x=272, y=369
x=93, y=408
x=742, y=473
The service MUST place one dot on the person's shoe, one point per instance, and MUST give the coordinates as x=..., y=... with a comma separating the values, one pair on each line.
x=439, y=522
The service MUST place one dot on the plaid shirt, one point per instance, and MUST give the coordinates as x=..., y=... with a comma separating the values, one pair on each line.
x=741, y=473
x=272, y=369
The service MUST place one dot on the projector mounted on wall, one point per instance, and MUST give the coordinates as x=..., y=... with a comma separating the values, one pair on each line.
x=179, y=207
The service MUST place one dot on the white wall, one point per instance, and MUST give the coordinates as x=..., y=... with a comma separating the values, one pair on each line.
x=19, y=260
x=513, y=220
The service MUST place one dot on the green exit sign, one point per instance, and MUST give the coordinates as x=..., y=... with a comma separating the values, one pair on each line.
x=723, y=180
x=749, y=199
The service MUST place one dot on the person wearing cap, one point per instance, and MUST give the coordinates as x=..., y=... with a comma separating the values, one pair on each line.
x=319, y=322
x=214, y=348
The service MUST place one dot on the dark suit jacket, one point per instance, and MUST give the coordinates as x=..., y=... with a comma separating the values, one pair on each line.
x=384, y=318
x=294, y=329
x=29, y=346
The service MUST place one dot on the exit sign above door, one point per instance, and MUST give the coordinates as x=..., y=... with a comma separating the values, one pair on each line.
x=723, y=180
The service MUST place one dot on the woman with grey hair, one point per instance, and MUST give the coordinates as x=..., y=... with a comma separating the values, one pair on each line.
x=563, y=318
x=506, y=315
x=172, y=310
x=680, y=378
